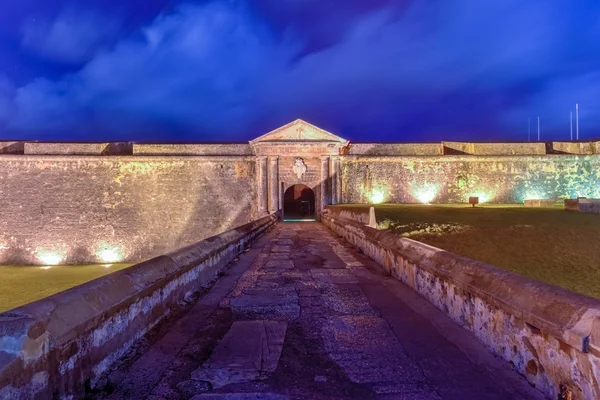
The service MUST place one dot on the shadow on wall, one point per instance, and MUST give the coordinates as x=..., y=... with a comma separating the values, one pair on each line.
x=93, y=210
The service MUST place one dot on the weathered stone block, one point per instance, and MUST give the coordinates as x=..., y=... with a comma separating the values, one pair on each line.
x=12, y=147
x=538, y=203
x=250, y=350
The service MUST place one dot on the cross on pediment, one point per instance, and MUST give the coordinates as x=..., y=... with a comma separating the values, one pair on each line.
x=299, y=130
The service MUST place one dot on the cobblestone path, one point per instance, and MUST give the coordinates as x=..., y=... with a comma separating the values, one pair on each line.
x=303, y=315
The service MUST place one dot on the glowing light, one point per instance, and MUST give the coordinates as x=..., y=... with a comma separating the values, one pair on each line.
x=107, y=265
x=426, y=193
x=484, y=197
x=50, y=257
x=377, y=196
x=46, y=267
x=534, y=196
x=109, y=254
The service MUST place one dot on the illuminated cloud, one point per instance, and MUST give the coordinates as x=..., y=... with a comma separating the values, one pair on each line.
x=228, y=70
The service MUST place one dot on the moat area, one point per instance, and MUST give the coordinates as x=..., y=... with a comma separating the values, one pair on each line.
x=24, y=284
x=550, y=245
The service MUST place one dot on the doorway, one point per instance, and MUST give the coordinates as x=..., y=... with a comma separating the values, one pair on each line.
x=299, y=203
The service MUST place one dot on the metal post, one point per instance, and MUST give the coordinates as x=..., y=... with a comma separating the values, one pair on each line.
x=571, y=119
x=577, y=120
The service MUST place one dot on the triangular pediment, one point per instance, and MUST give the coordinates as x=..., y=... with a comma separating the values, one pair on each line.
x=299, y=131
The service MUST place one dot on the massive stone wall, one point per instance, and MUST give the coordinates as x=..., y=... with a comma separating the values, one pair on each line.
x=452, y=179
x=83, y=209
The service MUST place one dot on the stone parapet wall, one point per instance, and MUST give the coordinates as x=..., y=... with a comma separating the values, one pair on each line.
x=58, y=345
x=395, y=149
x=453, y=179
x=97, y=149
x=12, y=147
x=493, y=149
x=550, y=335
x=575, y=147
x=92, y=209
x=214, y=149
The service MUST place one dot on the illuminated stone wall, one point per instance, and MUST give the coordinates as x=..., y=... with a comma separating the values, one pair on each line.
x=452, y=179
x=84, y=209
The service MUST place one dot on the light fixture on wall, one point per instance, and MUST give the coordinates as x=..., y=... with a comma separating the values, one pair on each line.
x=50, y=257
x=108, y=254
x=425, y=193
x=377, y=196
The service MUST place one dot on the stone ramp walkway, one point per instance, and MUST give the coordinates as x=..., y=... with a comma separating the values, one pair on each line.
x=303, y=315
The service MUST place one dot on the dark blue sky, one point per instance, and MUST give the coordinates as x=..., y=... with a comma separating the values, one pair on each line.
x=225, y=70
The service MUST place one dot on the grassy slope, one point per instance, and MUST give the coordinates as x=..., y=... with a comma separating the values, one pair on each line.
x=551, y=245
x=22, y=285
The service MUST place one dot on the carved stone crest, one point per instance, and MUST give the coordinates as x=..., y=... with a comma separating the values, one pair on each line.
x=299, y=167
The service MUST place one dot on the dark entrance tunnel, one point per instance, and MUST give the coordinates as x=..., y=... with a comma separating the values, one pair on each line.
x=299, y=203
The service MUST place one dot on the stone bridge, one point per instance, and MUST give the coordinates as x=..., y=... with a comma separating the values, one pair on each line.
x=303, y=315
x=304, y=310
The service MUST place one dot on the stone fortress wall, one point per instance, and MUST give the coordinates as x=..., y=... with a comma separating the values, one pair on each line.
x=126, y=202
x=82, y=209
x=453, y=179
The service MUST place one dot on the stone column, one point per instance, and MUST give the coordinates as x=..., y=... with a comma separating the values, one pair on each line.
x=334, y=173
x=325, y=179
x=273, y=162
x=262, y=189
x=338, y=179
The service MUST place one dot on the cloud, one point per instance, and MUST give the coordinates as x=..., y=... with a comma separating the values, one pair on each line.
x=6, y=95
x=73, y=36
x=221, y=71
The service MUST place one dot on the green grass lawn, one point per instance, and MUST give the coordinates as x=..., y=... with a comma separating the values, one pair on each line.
x=21, y=285
x=548, y=244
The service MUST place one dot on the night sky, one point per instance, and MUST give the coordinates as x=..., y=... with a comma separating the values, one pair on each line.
x=367, y=70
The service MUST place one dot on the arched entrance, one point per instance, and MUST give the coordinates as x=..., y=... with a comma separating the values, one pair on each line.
x=299, y=203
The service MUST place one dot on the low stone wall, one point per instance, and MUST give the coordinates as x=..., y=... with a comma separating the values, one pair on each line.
x=583, y=205
x=548, y=334
x=213, y=149
x=55, y=347
x=12, y=147
x=363, y=214
x=497, y=149
x=538, y=203
x=589, y=205
x=96, y=149
x=571, y=204
x=575, y=147
x=395, y=149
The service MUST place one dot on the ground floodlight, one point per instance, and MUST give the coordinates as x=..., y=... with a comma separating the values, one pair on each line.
x=473, y=200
